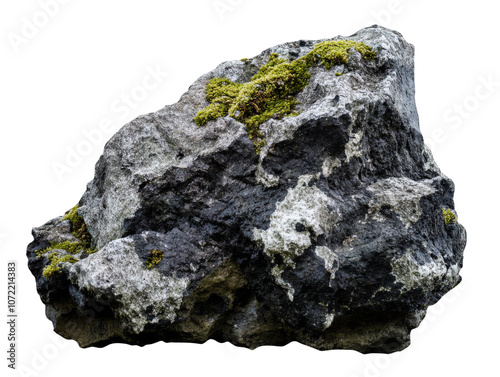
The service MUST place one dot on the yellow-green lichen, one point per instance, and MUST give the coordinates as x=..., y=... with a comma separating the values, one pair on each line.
x=79, y=230
x=271, y=91
x=70, y=247
x=78, y=226
x=332, y=53
x=53, y=268
x=155, y=256
x=449, y=216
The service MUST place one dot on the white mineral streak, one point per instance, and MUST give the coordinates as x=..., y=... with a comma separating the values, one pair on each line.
x=329, y=320
x=427, y=276
x=329, y=164
x=331, y=260
x=353, y=146
x=116, y=271
x=265, y=178
x=402, y=195
x=276, y=272
x=304, y=205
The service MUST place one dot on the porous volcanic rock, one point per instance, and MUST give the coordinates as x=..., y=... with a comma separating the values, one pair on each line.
x=333, y=236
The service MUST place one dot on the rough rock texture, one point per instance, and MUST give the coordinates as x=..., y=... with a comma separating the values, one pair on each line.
x=333, y=236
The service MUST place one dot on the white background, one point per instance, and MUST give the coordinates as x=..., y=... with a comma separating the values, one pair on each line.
x=68, y=72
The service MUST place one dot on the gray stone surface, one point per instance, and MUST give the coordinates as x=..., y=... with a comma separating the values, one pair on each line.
x=333, y=236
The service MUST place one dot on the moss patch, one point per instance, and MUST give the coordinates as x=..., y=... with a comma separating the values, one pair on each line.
x=70, y=247
x=155, y=256
x=53, y=268
x=449, y=216
x=271, y=91
x=79, y=230
x=78, y=226
x=332, y=53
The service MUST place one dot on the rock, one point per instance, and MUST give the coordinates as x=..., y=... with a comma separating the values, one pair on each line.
x=338, y=234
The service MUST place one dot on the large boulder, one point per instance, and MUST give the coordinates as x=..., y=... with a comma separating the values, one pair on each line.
x=330, y=225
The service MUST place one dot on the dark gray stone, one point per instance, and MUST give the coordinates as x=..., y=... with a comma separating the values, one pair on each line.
x=333, y=236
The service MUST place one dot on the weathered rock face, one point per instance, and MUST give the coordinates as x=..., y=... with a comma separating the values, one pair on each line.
x=334, y=236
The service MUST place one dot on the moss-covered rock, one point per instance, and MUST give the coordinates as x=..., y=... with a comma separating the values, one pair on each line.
x=78, y=226
x=155, y=256
x=449, y=216
x=79, y=231
x=333, y=236
x=332, y=53
x=53, y=268
x=271, y=91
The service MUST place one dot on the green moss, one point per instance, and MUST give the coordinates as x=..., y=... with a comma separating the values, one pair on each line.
x=221, y=92
x=338, y=74
x=332, y=53
x=52, y=269
x=155, y=256
x=78, y=226
x=79, y=230
x=259, y=145
x=70, y=247
x=271, y=91
x=449, y=216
